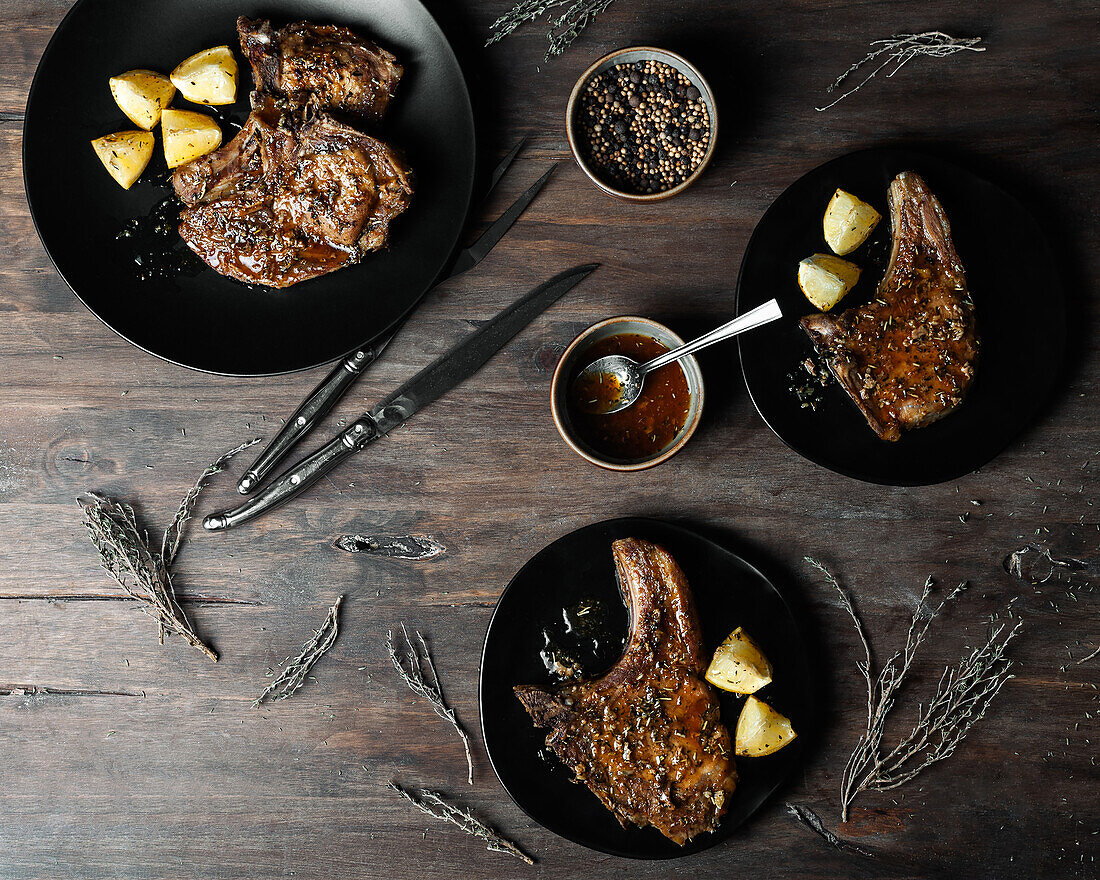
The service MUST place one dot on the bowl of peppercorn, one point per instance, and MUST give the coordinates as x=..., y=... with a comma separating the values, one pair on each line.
x=642, y=124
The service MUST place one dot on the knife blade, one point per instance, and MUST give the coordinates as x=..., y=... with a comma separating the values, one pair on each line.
x=503, y=165
x=475, y=253
x=425, y=387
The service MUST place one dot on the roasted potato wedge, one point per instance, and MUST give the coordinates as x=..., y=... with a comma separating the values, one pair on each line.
x=208, y=77
x=825, y=279
x=188, y=135
x=761, y=730
x=124, y=154
x=848, y=221
x=739, y=666
x=142, y=95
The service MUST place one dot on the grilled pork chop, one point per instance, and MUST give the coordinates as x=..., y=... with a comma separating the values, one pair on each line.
x=320, y=66
x=646, y=738
x=906, y=358
x=290, y=198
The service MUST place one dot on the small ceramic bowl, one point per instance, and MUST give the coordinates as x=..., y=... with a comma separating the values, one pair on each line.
x=630, y=56
x=573, y=360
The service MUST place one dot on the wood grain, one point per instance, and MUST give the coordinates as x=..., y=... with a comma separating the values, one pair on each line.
x=127, y=759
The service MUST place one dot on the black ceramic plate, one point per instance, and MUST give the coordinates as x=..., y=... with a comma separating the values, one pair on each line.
x=207, y=321
x=1019, y=306
x=578, y=567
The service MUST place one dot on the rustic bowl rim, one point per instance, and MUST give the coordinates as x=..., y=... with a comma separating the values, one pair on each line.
x=675, y=60
x=689, y=364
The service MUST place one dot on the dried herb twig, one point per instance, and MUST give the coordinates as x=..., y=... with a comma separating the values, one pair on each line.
x=411, y=669
x=962, y=697
x=295, y=671
x=432, y=803
x=170, y=543
x=144, y=573
x=899, y=50
x=564, y=28
x=1088, y=657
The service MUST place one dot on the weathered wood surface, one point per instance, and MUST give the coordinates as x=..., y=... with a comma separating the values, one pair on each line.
x=122, y=758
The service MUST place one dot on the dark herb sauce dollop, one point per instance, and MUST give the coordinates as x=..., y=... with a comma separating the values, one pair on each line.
x=153, y=242
x=581, y=644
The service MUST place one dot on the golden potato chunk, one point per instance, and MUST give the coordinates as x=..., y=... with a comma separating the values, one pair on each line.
x=761, y=730
x=142, y=95
x=739, y=666
x=825, y=279
x=124, y=154
x=188, y=135
x=848, y=221
x=208, y=77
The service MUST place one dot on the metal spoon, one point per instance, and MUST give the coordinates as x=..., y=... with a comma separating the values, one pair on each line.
x=629, y=376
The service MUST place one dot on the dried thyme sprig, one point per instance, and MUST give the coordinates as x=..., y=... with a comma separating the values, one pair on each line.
x=1088, y=657
x=411, y=669
x=170, y=543
x=899, y=51
x=564, y=29
x=295, y=671
x=125, y=555
x=963, y=695
x=145, y=574
x=432, y=803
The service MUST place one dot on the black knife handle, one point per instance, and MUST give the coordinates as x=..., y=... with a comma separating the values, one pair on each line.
x=300, y=477
x=305, y=417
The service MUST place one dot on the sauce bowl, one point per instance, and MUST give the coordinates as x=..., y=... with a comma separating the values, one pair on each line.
x=575, y=358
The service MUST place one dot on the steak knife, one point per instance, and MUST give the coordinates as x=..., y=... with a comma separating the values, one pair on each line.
x=428, y=385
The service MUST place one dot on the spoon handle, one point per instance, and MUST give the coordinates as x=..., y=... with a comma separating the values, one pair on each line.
x=764, y=314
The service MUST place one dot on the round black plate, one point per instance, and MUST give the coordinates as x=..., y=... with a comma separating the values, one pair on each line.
x=1019, y=305
x=728, y=593
x=209, y=322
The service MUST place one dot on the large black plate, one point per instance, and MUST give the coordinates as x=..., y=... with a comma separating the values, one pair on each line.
x=1019, y=305
x=728, y=593
x=209, y=322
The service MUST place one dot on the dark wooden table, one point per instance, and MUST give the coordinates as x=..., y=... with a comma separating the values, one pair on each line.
x=123, y=758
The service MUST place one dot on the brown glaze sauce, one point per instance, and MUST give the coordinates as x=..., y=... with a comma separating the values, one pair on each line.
x=641, y=430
